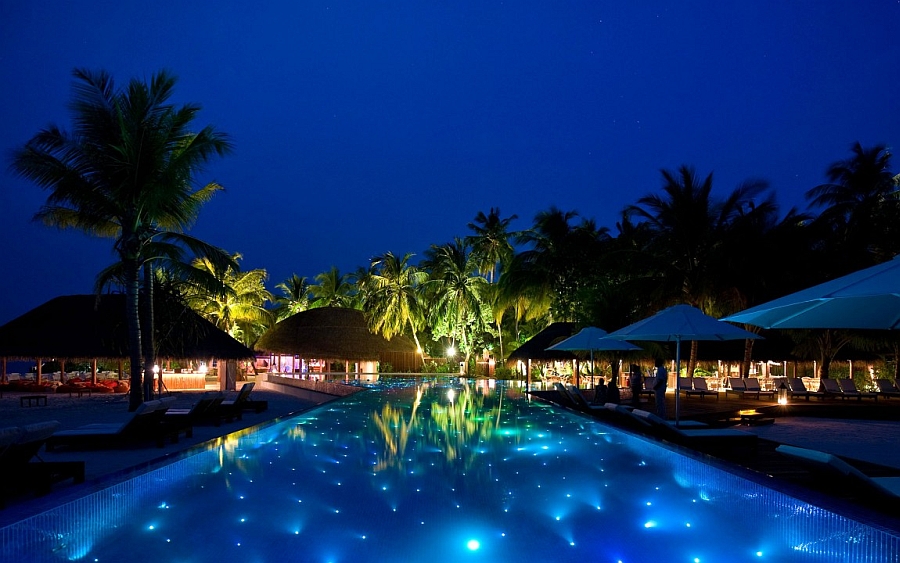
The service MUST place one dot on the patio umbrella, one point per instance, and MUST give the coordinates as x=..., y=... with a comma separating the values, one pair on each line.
x=866, y=299
x=681, y=322
x=592, y=338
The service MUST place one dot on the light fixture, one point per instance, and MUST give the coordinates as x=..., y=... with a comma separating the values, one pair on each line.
x=782, y=395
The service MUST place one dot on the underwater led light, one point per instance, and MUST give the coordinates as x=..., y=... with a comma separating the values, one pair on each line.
x=473, y=545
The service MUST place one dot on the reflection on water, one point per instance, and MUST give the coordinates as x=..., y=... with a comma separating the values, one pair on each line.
x=423, y=469
x=459, y=422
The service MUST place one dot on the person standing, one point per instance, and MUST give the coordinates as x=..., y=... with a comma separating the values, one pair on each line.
x=659, y=388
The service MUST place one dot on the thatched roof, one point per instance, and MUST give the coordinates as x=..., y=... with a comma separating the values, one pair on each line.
x=330, y=333
x=536, y=347
x=81, y=327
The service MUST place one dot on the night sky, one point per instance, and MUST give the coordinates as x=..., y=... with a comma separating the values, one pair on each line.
x=362, y=127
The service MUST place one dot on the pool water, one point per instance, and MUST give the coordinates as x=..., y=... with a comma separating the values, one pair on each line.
x=441, y=470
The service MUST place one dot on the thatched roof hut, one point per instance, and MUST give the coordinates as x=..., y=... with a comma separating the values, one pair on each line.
x=85, y=327
x=339, y=334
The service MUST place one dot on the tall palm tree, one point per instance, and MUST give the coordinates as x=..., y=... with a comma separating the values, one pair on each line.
x=294, y=297
x=125, y=172
x=491, y=242
x=393, y=300
x=860, y=207
x=456, y=294
x=239, y=308
x=689, y=234
x=332, y=289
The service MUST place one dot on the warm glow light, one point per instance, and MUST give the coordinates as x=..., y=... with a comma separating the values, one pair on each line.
x=155, y=369
x=451, y=351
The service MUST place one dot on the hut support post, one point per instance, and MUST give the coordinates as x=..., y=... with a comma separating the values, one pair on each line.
x=94, y=371
x=40, y=373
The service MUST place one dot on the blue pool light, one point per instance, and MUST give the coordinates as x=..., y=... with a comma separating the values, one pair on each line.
x=473, y=545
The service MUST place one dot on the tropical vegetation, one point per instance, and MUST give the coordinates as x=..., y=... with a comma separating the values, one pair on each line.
x=481, y=294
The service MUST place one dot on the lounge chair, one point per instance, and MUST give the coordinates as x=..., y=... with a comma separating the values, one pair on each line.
x=887, y=388
x=647, y=389
x=752, y=387
x=796, y=388
x=823, y=461
x=142, y=425
x=23, y=468
x=703, y=439
x=735, y=387
x=849, y=389
x=206, y=409
x=701, y=389
x=831, y=388
x=234, y=408
x=685, y=385
x=579, y=400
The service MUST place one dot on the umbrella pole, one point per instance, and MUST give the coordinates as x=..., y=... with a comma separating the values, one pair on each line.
x=677, y=375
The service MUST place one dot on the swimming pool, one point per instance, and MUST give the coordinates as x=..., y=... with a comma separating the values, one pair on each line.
x=418, y=471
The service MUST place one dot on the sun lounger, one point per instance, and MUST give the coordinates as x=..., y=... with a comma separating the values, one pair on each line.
x=830, y=463
x=579, y=400
x=735, y=387
x=701, y=389
x=205, y=410
x=708, y=440
x=234, y=408
x=21, y=468
x=849, y=389
x=797, y=389
x=831, y=388
x=752, y=387
x=144, y=424
x=887, y=388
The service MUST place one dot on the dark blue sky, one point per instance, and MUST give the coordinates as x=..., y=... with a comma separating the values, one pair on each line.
x=363, y=126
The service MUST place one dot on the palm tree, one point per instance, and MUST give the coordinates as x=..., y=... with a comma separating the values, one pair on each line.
x=125, y=172
x=392, y=303
x=860, y=209
x=491, y=242
x=239, y=307
x=294, y=298
x=332, y=289
x=559, y=260
x=689, y=235
x=456, y=294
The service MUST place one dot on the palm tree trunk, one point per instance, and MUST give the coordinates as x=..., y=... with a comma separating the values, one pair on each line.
x=419, y=351
x=748, y=355
x=147, y=333
x=692, y=362
x=500, y=338
x=133, y=324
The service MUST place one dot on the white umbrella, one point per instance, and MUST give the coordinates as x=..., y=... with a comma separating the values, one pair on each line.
x=590, y=339
x=681, y=322
x=866, y=299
